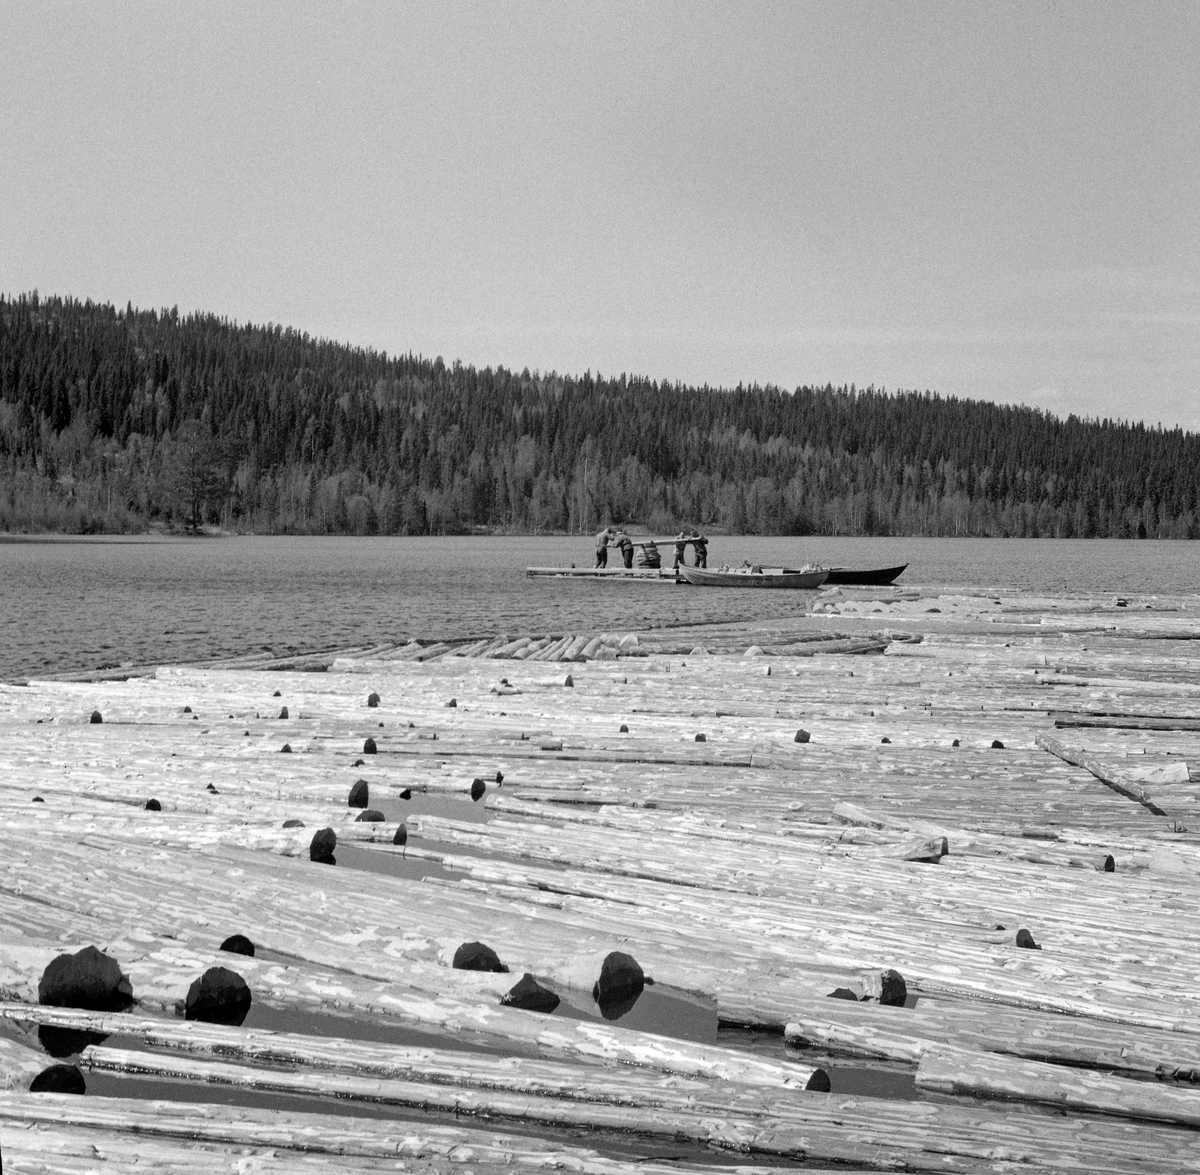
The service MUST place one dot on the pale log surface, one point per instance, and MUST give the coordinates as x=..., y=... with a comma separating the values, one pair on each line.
x=1037, y=892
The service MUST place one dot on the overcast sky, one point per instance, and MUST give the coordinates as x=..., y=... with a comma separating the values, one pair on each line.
x=997, y=201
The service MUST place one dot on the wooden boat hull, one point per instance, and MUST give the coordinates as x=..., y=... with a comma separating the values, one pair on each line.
x=770, y=578
x=874, y=576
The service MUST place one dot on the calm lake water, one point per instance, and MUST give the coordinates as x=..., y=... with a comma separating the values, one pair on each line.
x=84, y=603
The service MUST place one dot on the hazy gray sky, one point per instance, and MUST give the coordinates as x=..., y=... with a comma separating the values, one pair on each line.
x=987, y=200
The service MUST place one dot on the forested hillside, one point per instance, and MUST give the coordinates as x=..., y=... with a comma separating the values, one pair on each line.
x=122, y=420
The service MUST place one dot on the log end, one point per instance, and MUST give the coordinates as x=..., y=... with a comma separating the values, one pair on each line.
x=88, y=979
x=321, y=846
x=477, y=956
x=530, y=996
x=58, y=1079
x=219, y=996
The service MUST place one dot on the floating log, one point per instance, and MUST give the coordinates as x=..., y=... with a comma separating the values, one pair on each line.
x=1080, y=758
x=958, y=1072
x=870, y=1133
x=869, y=1030
x=1127, y=722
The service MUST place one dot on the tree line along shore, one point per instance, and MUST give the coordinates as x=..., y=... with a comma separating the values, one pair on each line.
x=118, y=421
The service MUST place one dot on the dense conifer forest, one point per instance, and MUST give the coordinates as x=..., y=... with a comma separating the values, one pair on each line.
x=115, y=421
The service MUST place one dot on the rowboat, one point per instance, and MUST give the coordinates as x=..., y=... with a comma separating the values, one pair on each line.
x=875, y=575
x=764, y=577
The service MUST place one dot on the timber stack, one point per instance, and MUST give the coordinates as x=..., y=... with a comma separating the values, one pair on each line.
x=906, y=883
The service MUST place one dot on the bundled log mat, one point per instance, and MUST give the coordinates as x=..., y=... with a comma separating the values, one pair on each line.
x=906, y=883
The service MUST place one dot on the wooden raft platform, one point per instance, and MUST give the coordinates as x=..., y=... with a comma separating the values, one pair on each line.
x=987, y=802
x=666, y=574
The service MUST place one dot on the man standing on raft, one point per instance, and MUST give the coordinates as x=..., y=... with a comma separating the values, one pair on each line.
x=602, y=546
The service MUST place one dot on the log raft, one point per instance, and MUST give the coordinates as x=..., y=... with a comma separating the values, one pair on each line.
x=793, y=857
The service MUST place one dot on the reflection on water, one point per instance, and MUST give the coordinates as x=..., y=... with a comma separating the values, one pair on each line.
x=623, y=1146
x=449, y=807
x=372, y=1029
x=154, y=600
x=845, y=1077
x=393, y=863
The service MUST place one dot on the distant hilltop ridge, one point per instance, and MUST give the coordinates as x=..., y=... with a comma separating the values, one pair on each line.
x=120, y=421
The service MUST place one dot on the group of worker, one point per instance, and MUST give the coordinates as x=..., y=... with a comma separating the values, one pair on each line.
x=650, y=556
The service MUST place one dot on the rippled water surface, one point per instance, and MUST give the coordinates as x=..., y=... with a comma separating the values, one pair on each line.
x=84, y=603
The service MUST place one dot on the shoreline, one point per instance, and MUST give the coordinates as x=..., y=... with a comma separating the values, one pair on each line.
x=635, y=530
